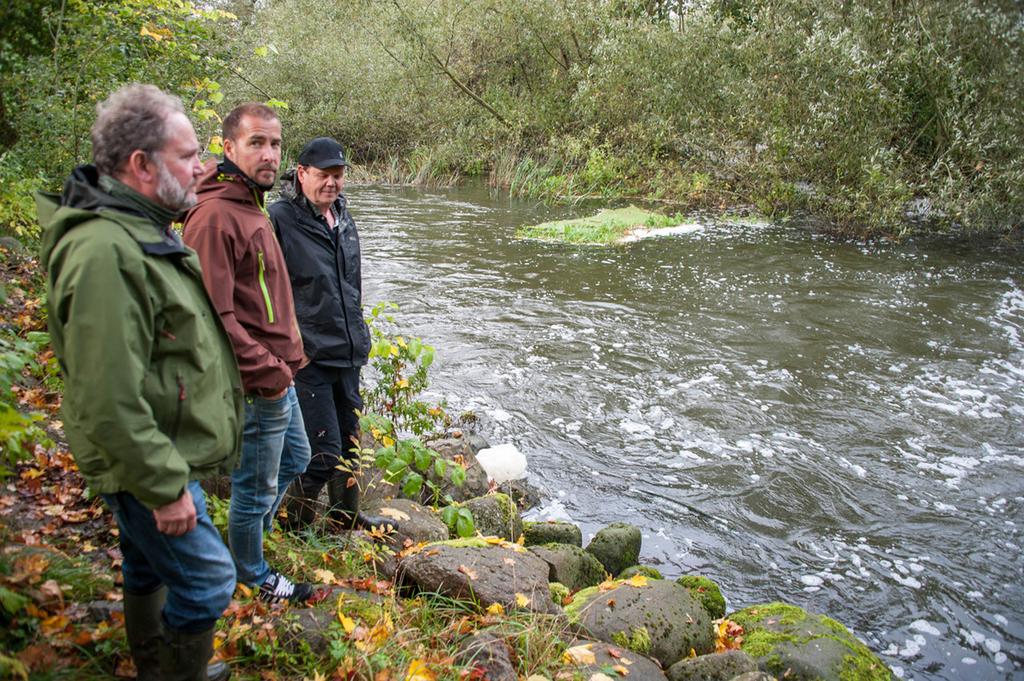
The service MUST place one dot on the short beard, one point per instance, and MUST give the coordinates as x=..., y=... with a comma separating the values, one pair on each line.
x=171, y=194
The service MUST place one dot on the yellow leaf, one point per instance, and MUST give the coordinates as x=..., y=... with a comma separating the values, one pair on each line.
x=495, y=609
x=377, y=635
x=418, y=671
x=387, y=441
x=245, y=590
x=346, y=622
x=608, y=585
x=621, y=670
x=51, y=625
x=494, y=540
x=522, y=600
x=394, y=513
x=401, y=342
x=581, y=654
x=325, y=576
x=393, y=351
x=637, y=580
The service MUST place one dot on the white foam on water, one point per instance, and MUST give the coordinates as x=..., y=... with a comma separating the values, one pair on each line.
x=925, y=627
x=909, y=582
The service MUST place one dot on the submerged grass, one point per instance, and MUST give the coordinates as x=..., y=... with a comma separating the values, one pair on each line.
x=607, y=227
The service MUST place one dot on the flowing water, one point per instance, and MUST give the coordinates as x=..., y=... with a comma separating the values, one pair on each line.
x=827, y=423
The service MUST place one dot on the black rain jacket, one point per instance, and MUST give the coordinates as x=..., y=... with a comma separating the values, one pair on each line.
x=326, y=276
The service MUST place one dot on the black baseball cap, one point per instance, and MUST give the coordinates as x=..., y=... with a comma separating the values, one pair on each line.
x=323, y=152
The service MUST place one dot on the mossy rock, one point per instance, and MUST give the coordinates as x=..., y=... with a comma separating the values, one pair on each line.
x=707, y=592
x=570, y=565
x=715, y=667
x=787, y=640
x=659, y=619
x=616, y=546
x=496, y=515
x=633, y=570
x=552, y=532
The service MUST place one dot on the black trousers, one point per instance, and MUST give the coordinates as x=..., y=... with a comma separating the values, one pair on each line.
x=328, y=398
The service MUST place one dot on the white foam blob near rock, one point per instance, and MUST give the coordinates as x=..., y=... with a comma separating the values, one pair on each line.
x=502, y=463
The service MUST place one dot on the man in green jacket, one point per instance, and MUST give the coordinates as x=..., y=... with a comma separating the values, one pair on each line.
x=153, y=399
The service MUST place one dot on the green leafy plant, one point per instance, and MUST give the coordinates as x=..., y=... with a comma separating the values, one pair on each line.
x=459, y=519
x=19, y=432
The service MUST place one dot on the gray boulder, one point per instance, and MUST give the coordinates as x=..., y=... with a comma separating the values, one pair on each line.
x=410, y=523
x=496, y=515
x=486, y=656
x=570, y=565
x=552, y=532
x=789, y=641
x=487, y=573
x=660, y=619
x=714, y=667
x=636, y=666
x=616, y=546
x=754, y=676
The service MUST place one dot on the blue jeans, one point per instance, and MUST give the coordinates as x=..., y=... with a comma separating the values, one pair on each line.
x=196, y=567
x=274, y=452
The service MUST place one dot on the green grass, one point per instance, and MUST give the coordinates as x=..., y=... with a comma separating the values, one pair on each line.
x=605, y=228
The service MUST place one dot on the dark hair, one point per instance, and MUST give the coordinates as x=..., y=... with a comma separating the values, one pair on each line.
x=234, y=119
x=133, y=117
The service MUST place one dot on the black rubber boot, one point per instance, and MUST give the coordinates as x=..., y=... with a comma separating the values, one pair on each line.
x=344, y=499
x=186, y=657
x=144, y=629
x=300, y=505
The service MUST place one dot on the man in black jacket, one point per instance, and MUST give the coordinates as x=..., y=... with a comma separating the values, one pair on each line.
x=321, y=249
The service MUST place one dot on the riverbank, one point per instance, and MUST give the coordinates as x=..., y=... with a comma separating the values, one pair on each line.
x=395, y=599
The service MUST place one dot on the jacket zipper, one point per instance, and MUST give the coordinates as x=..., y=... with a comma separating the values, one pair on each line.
x=264, y=289
x=180, y=410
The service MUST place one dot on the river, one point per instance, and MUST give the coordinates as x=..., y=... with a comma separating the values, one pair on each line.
x=827, y=423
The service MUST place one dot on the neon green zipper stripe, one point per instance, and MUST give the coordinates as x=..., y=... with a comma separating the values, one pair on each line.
x=266, y=291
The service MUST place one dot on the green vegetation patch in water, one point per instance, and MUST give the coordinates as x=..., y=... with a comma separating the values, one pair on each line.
x=607, y=227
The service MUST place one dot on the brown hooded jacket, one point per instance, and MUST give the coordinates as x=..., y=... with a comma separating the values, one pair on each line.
x=245, y=275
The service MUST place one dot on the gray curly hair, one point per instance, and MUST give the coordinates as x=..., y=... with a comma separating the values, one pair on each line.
x=133, y=117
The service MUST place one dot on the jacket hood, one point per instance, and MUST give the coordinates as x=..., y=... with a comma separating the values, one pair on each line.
x=79, y=202
x=223, y=180
x=88, y=194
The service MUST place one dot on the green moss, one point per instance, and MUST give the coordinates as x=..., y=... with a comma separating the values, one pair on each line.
x=705, y=591
x=760, y=643
x=638, y=640
x=648, y=572
x=466, y=542
x=605, y=228
x=559, y=592
x=783, y=612
x=574, y=609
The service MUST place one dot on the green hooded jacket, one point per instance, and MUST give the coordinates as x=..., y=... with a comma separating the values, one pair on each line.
x=153, y=397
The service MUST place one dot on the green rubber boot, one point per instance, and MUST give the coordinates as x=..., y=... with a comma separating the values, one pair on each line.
x=144, y=628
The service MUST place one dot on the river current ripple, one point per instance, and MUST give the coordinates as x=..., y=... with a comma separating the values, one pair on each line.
x=827, y=423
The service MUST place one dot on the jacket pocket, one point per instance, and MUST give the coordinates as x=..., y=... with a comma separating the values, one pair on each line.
x=264, y=289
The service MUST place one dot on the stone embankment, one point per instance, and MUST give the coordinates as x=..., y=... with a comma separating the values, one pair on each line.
x=615, y=613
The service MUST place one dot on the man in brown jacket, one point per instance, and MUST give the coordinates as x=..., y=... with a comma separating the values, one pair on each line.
x=245, y=275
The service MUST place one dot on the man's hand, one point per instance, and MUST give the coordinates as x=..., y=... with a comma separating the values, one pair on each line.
x=177, y=517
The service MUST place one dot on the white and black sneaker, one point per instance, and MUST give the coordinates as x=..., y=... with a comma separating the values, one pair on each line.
x=277, y=588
